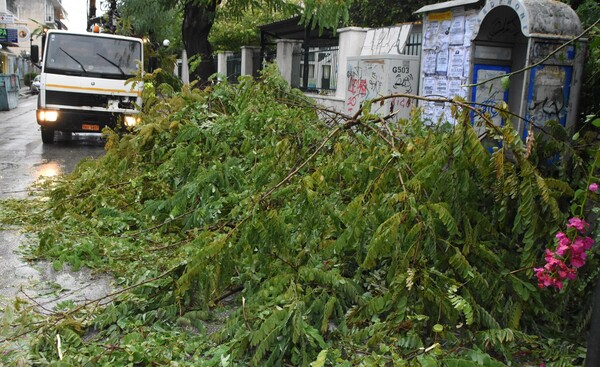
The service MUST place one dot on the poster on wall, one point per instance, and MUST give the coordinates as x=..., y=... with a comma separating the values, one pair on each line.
x=428, y=86
x=488, y=94
x=471, y=25
x=457, y=88
x=445, y=63
x=429, y=61
x=456, y=62
x=457, y=30
x=549, y=88
x=441, y=62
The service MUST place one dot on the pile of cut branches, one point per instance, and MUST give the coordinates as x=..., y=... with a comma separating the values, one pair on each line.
x=245, y=228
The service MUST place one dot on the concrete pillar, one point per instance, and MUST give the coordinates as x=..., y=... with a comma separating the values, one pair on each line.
x=351, y=40
x=222, y=62
x=285, y=53
x=248, y=66
x=185, y=70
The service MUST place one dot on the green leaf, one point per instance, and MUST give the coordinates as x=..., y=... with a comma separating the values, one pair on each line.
x=321, y=358
x=596, y=122
x=453, y=362
x=426, y=360
x=505, y=82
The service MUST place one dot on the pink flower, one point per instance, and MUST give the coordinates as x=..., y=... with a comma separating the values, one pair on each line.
x=558, y=284
x=593, y=187
x=544, y=279
x=578, y=246
x=570, y=255
x=549, y=256
x=563, y=239
x=561, y=250
x=578, y=262
x=578, y=224
x=588, y=242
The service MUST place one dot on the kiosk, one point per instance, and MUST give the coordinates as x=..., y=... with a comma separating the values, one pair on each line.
x=537, y=40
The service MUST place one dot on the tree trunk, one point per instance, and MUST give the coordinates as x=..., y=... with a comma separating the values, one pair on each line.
x=197, y=22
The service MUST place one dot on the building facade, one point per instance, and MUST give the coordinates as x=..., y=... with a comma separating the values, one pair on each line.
x=21, y=22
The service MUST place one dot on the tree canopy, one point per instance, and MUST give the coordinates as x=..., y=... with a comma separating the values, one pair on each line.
x=199, y=16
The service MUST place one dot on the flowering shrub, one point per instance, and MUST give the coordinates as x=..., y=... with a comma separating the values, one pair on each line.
x=570, y=254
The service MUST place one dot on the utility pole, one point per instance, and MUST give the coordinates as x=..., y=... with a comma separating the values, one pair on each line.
x=112, y=15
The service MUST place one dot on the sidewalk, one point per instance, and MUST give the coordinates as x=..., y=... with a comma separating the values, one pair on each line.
x=24, y=92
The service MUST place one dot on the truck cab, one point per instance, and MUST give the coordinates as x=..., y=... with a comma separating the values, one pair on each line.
x=84, y=83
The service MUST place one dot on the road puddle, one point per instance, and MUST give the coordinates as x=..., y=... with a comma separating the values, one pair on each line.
x=39, y=284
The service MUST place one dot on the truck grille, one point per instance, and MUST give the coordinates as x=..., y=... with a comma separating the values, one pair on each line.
x=76, y=99
x=81, y=99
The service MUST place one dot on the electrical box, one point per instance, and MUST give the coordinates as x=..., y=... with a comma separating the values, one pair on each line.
x=373, y=76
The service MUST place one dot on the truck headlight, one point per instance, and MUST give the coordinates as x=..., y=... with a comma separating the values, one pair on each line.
x=47, y=115
x=131, y=121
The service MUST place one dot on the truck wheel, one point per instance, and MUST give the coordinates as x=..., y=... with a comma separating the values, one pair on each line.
x=47, y=135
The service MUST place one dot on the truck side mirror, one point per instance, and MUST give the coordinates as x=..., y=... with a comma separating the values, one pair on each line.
x=35, y=54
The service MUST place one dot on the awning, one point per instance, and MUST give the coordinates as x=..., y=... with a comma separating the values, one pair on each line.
x=294, y=30
x=446, y=5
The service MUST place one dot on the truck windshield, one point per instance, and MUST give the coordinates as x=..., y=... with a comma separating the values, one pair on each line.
x=73, y=54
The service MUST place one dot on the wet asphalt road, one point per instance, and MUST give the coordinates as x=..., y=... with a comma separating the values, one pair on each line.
x=23, y=160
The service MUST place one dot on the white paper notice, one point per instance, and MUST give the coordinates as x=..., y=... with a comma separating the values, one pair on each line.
x=467, y=58
x=431, y=32
x=441, y=65
x=457, y=62
x=457, y=30
x=441, y=87
x=429, y=61
x=428, y=110
x=444, y=33
x=455, y=88
x=471, y=24
x=428, y=85
x=439, y=114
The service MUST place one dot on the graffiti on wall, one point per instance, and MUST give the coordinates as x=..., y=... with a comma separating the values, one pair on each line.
x=504, y=27
x=521, y=20
x=404, y=82
x=548, y=93
x=552, y=53
x=365, y=82
x=490, y=94
x=369, y=78
x=386, y=41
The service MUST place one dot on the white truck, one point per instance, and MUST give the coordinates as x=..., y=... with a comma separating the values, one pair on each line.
x=83, y=82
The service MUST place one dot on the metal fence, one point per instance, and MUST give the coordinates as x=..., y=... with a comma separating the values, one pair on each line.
x=316, y=71
x=413, y=44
